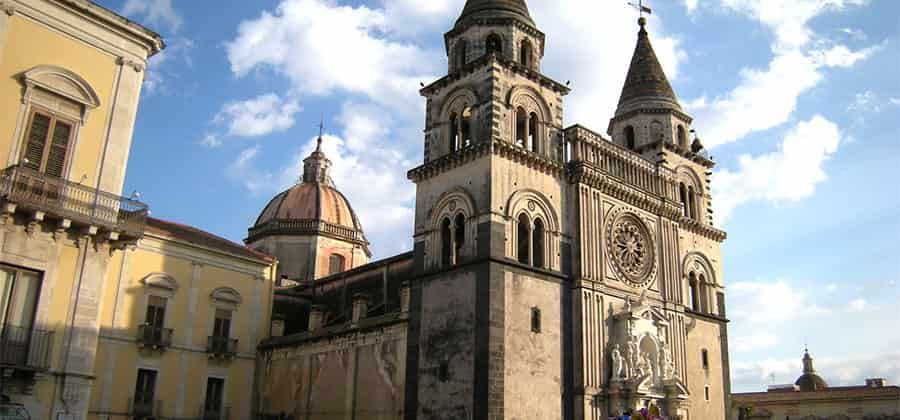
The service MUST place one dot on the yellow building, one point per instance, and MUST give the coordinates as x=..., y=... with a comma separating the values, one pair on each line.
x=104, y=312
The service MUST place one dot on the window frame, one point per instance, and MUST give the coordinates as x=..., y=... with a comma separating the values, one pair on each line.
x=222, y=394
x=55, y=119
x=5, y=315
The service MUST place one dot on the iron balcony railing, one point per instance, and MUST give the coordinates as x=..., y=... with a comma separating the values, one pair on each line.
x=71, y=200
x=212, y=414
x=143, y=406
x=221, y=346
x=154, y=337
x=25, y=348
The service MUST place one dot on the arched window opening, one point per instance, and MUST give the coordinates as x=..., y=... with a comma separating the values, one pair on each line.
x=692, y=209
x=695, y=298
x=466, y=128
x=532, y=132
x=538, y=243
x=446, y=244
x=494, y=44
x=524, y=240
x=704, y=293
x=459, y=237
x=684, y=200
x=629, y=137
x=461, y=51
x=521, y=127
x=535, y=320
x=336, y=264
x=454, y=132
x=682, y=137
x=525, y=53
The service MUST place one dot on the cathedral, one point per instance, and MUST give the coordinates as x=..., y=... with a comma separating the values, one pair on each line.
x=556, y=272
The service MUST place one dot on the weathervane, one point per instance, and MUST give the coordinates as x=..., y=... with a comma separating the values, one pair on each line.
x=641, y=8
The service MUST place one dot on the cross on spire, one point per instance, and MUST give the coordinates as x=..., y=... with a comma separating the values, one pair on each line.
x=321, y=131
x=641, y=8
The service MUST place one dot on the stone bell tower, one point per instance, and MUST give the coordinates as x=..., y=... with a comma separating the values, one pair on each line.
x=491, y=246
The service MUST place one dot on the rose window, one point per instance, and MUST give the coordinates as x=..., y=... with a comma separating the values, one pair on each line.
x=631, y=249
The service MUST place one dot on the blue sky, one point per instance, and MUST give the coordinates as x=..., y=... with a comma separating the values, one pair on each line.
x=798, y=101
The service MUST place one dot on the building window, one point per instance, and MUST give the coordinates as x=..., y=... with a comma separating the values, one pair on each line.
x=444, y=371
x=459, y=237
x=524, y=239
x=537, y=244
x=494, y=44
x=461, y=51
x=336, y=264
x=532, y=132
x=629, y=137
x=521, y=127
x=682, y=137
x=212, y=405
x=446, y=243
x=682, y=191
x=144, y=392
x=47, y=143
x=704, y=359
x=525, y=53
x=535, y=320
x=222, y=324
x=19, y=291
x=156, y=312
x=465, y=127
x=720, y=301
x=692, y=208
x=706, y=392
x=454, y=132
x=692, y=287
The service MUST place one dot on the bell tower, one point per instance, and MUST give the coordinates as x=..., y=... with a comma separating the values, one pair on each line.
x=491, y=247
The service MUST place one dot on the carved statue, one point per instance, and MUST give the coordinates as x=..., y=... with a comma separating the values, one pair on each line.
x=634, y=356
x=617, y=363
x=668, y=365
x=646, y=364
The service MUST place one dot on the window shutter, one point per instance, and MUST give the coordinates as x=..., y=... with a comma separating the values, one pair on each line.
x=37, y=139
x=56, y=158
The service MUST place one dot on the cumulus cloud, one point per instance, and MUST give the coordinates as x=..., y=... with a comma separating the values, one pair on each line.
x=155, y=13
x=258, y=116
x=766, y=98
x=837, y=371
x=691, y=5
x=787, y=175
x=856, y=305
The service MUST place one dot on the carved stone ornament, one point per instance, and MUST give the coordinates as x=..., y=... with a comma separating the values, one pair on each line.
x=531, y=205
x=452, y=205
x=631, y=249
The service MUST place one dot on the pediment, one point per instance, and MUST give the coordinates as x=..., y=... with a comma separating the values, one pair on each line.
x=160, y=281
x=226, y=294
x=62, y=82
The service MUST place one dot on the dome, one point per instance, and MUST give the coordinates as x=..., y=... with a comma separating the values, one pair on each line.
x=311, y=201
x=481, y=9
x=811, y=382
x=311, y=207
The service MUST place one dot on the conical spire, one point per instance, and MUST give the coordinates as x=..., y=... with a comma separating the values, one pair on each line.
x=646, y=84
x=316, y=165
x=483, y=9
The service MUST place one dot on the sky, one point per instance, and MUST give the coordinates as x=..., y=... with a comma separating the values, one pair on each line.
x=797, y=100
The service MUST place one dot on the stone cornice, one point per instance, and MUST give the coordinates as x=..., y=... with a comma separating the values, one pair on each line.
x=496, y=147
x=585, y=173
x=91, y=11
x=287, y=227
x=701, y=229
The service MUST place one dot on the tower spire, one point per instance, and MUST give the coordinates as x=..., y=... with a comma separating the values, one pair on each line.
x=316, y=165
x=646, y=85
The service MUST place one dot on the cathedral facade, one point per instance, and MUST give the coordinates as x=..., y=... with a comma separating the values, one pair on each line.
x=557, y=273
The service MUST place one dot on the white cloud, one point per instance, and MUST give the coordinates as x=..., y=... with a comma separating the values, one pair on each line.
x=211, y=140
x=691, y=5
x=757, y=340
x=856, y=34
x=167, y=63
x=831, y=288
x=856, y=305
x=865, y=102
x=788, y=175
x=154, y=13
x=766, y=98
x=895, y=101
x=837, y=371
x=259, y=116
x=243, y=169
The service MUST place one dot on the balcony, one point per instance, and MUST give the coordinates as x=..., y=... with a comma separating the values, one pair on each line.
x=153, y=337
x=220, y=414
x=25, y=349
x=78, y=203
x=144, y=407
x=223, y=347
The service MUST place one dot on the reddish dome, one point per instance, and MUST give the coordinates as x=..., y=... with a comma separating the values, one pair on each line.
x=311, y=201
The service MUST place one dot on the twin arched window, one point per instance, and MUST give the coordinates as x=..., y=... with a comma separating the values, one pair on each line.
x=699, y=291
x=453, y=237
x=530, y=242
x=461, y=129
x=526, y=129
x=493, y=44
x=525, y=57
x=687, y=196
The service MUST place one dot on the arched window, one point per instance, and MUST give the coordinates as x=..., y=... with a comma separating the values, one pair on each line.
x=684, y=199
x=446, y=244
x=695, y=298
x=459, y=237
x=537, y=243
x=629, y=137
x=521, y=127
x=692, y=210
x=493, y=44
x=454, y=132
x=532, y=132
x=336, y=264
x=466, y=128
x=461, y=51
x=682, y=137
x=525, y=53
x=524, y=240
x=703, y=293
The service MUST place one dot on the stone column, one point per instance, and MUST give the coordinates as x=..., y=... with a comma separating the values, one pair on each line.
x=7, y=10
x=121, y=124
